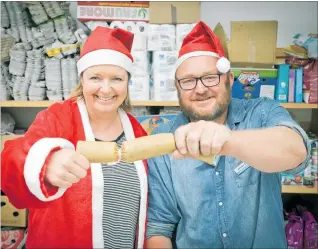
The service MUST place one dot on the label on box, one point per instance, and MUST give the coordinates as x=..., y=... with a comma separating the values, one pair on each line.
x=267, y=91
x=110, y=11
x=249, y=77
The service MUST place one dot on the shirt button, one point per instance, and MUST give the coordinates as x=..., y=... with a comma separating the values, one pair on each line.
x=220, y=203
x=217, y=173
x=224, y=235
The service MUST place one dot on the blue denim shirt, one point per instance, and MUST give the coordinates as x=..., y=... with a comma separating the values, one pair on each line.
x=219, y=206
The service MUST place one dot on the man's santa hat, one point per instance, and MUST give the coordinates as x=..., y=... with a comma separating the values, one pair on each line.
x=202, y=41
x=107, y=46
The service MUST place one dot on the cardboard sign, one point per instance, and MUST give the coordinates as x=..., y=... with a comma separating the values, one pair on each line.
x=113, y=11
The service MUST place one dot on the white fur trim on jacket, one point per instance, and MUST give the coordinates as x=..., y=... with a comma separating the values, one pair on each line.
x=103, y=57
x=35, y=161
x=98, y=183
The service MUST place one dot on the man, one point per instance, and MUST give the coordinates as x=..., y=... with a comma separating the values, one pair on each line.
x=236, y=202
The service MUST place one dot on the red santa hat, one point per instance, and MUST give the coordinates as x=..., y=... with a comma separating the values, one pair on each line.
x=202, y=41
x=107, y=46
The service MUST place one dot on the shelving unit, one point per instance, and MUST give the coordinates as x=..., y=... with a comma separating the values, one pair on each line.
x=299, y=189
x=46, y=103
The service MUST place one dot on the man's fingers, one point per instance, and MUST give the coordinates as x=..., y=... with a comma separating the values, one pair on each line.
x=206, y=140
x=222, y=135
x=177, y=155
x=180, y=139
x=193, y=142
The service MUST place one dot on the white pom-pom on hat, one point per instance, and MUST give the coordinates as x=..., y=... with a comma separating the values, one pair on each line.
x=223, y=65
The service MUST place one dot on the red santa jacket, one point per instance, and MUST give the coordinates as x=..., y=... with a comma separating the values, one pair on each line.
x=63, y=218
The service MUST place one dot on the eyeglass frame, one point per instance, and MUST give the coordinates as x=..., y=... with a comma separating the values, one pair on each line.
x=199, y=78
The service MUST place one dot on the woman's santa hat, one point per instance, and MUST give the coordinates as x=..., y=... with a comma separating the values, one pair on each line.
x=107, y=46
x=202, y=41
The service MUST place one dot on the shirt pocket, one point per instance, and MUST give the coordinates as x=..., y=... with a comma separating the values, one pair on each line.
x=243, y=174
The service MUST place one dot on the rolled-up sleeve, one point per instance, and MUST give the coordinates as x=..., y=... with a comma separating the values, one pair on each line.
x=163, y=215
x=276, y=115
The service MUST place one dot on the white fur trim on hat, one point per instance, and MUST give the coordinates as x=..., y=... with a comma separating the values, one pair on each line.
x=102, y=57
x=223, y=64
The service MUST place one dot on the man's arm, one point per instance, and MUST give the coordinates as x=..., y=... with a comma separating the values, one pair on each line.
x=279, y=145
x=282, y=145
x=269, y=150
x=161, y=242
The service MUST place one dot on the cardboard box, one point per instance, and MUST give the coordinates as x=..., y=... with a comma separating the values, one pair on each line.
x=11, y=216
x=12, y=238
x=6, y=138
x=281, y=92
x=292, y=179
x=254, y=83
x=253, y=44
x=150, y=122
x=174, y=12
x=299, y=85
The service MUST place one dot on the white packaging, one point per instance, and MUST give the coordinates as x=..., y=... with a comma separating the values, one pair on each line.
x=139, y=43
x=92, y=25
x=141, y=63
x=139, y=88
x=164, y=59
x=140, y=38
x=161, y=37
x=182, y=30
x=116, y=24
x=164, y=86
x=130, y=26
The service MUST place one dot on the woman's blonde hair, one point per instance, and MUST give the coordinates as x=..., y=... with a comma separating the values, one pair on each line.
x=77, y=93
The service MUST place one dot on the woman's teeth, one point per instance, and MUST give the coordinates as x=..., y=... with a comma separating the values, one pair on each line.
x=105, y=99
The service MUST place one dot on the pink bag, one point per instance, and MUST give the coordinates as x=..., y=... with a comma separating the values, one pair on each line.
x=294, y=231
x=310, y=84
x=310, y=228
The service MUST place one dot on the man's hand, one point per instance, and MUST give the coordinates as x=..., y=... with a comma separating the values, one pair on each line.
x=65, y=168
x=202, y=137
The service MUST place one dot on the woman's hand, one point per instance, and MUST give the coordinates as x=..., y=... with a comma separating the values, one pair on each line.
x=202, y=137
x=65, y=168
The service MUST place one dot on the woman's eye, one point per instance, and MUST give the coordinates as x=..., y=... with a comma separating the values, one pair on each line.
x=94, y=78
x=117, y=79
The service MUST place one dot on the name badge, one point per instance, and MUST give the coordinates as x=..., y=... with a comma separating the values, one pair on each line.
x=241, y=168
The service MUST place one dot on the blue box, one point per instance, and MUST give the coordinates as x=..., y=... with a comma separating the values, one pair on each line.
x=150, y=122
x=299, y=85
x=281, y=93
x=254, y=83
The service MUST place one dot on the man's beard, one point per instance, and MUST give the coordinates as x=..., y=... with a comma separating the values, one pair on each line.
x=215, y=114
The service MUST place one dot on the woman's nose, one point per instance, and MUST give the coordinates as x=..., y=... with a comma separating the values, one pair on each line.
x=105, y=85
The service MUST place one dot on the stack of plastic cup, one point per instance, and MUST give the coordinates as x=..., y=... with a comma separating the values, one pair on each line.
x=53, y=9
x=37, y=12
x=53, y=79
x=5, y=21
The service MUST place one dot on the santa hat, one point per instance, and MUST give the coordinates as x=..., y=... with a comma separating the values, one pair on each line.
x=107, y=46
x=202, y=41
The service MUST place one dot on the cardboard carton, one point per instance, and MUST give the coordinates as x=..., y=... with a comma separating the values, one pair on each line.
x=174, y=12
x=11, y=216
x=253, y=44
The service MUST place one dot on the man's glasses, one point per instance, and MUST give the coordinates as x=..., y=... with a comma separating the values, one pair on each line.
x=209, y=80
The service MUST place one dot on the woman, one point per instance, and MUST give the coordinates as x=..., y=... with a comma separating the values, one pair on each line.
x=74, y=204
